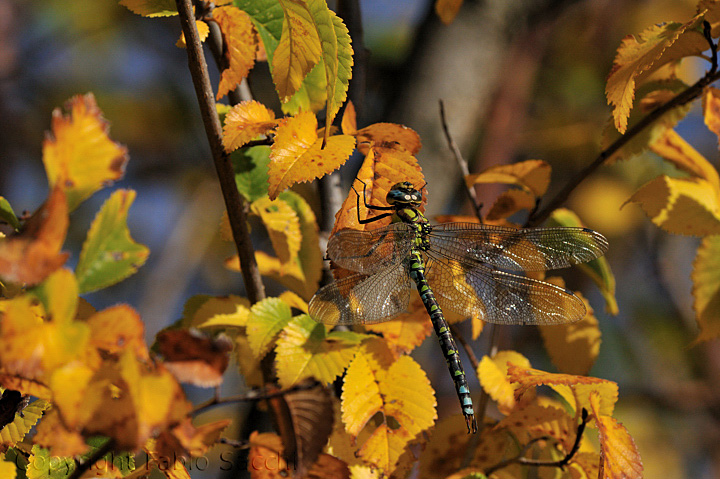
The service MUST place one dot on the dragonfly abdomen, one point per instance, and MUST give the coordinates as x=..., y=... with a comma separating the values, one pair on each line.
x=447, y=343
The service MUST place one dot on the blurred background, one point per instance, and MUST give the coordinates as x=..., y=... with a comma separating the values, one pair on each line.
x=520, y=79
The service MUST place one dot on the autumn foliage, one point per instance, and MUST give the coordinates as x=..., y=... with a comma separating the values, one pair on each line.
x=80, y=384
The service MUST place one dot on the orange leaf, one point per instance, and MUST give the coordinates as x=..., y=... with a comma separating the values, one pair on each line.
x=383, y=167
x=536, y=421
x=406, y=331
x=203, y=31
x=241, y=41
x=531, y=175
x=194, y=358
x=244, y=122
x=79, y=156
x=509, y=203
x=575, y=390
x=620, y=457
x=349, y=122
x=391, y=133
x=267, y=460
x=30, y=256
x=711, y=109
x=117, y=328
x=53, y=435
x=447, y=10
x=297, y=154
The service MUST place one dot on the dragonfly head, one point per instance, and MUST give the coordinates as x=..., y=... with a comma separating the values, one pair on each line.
x=404, y=194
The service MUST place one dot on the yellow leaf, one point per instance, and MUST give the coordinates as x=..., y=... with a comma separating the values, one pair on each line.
x=447, y=10
x=151, y=8
x=282, y=224
x=298, y=51
x=531, y=175
x=494, y=380
x=241, y=42
x=28, y=387
x=8, y=469
x=706, y=288
x=216, y=312
x=406, y=331
x=575, y=390
x=620, y=457
x=304, y=349
x=244, y=122
x=69, y=385
x=674, y=149
x=574, y=347
x=686, y=206
x=383, y=167
x=391, y=133
x=78, y=155
x=15, y=431
x=203, y=31
x=298, y=156
x=248, y=363
x=34, y=253
x=294, y=301
x=636, y=56
x=398, y=389
x=53, y=435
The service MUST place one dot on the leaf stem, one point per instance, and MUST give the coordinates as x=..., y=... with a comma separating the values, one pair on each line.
x=686, y=96
x=236, y=207
x=521, y=459
x=82, y=467
x=254, y=395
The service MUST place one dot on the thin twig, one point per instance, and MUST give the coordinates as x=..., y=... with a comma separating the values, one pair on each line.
x=255, y=395
x=707, y=32
x=234, y=203
x=82, y=467
x=462, y=164
x=521, y=459
x=686, y=96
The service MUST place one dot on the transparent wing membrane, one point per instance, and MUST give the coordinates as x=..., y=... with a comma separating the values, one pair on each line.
x=532, y=249
x=369, y=252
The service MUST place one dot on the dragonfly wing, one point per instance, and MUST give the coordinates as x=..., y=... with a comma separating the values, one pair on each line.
x=371, y=251
x=499, y=297
x=529, y=249
x=362, y=299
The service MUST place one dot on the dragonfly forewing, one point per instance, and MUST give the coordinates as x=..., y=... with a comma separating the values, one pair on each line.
x=368, y=252
x=532, y=249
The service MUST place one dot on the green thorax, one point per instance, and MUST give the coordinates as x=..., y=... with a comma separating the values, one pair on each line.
x=406, y=200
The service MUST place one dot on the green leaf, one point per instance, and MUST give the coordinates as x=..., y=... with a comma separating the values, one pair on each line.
x=251, y=171
x=336, y=53
x=43, y=466
x=7, y=213
x=109, y=253
x=305, y=349
x=267, y=318
x=267, y=15
x=598, y=269
x=311, y=95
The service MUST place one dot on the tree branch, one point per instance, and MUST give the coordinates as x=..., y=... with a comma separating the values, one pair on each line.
x=236, y=208
x=686, y=96
x=255, y=395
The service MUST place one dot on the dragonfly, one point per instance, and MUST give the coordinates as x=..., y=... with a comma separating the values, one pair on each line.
x=472, y=269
